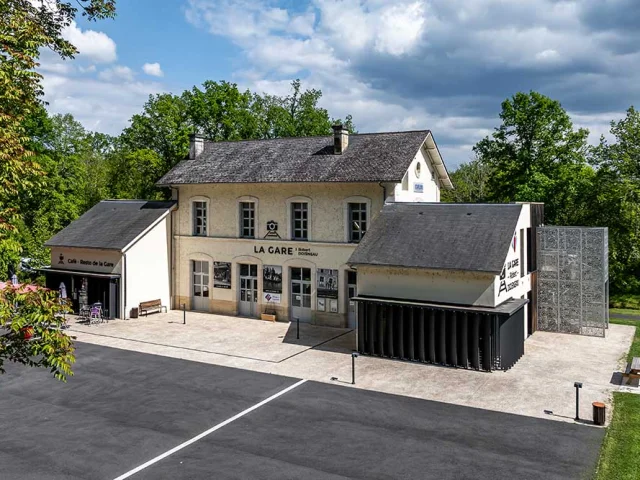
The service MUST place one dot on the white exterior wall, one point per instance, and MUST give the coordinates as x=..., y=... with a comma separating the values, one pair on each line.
x=444, y=286
x=428, y=180
x=514, y=284
x=148, y=268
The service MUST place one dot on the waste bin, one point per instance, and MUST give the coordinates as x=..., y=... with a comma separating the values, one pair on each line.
x=598, y=413
x=134, y=312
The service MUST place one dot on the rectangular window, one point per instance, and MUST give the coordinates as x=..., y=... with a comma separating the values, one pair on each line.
x=200, y=219
x=299, y=221
x=247, y=220
x=357, y=221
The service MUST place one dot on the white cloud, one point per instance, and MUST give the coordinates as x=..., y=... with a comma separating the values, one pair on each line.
x=92, y=45
x=153, y=69
x=117, y=73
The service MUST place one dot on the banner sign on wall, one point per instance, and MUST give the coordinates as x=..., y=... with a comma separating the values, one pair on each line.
x=221, y=275
x=271, y=297
x=272, y=279
x=327, y=283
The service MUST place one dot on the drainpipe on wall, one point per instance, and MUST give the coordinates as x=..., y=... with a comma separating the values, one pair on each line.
x=384, y=193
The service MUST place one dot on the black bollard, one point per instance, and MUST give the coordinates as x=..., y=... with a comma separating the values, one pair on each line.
x=578, y=386
x=353, y=367
x=298, y=328
x=184, y=313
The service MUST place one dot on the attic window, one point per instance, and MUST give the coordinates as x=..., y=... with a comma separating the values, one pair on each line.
x=418, y=167
x=405, y=182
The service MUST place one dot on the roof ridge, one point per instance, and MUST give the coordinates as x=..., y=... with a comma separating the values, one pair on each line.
x=207, y=140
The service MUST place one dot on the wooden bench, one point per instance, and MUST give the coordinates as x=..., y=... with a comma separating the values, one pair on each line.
x=632, y=371
x=151, y=306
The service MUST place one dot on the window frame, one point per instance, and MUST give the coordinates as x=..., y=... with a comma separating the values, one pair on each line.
x=194, y=209
x=303, y=209
x=250, y=230
x=347, y=216
x=360, y=208
x=291, y=218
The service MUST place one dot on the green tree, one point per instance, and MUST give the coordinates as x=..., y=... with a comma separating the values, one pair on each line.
x=471, y=183
x=537, y=155
x=31, y=321
x=26, y=27
x=163, y=126
x=133, y=174
x=615, y=200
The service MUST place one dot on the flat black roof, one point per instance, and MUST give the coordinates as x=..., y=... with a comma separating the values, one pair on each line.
x=507, y=308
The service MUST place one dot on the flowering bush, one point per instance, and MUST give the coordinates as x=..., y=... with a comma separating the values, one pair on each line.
x=31, y=329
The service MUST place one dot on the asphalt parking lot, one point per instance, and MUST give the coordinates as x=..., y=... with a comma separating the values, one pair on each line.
x=125, y=411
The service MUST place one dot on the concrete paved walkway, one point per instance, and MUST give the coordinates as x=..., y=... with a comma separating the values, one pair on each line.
x=540, y=384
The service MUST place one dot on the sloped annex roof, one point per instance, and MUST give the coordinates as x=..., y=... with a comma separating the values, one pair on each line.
x=110, y=224
x=371, y=157
x=440, y=236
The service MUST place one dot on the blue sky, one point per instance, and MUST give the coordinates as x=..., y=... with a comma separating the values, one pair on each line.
x=444, y=65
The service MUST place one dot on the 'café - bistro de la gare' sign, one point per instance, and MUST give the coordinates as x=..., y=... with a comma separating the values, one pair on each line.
x=287, y=251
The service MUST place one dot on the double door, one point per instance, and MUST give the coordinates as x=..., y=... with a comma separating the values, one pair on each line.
x=248, y=304
x=301, y=294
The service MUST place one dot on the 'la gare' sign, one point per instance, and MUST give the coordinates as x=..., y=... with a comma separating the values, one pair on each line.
x=276, y=250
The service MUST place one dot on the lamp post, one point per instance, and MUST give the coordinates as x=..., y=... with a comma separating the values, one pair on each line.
x=353, y=367
x=578, y=386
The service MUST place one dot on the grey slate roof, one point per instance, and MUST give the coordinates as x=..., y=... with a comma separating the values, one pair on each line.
x=447, y=236
x=110, y=224
x=371, y=157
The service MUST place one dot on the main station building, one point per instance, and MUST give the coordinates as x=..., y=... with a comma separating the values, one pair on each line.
x=343, y=230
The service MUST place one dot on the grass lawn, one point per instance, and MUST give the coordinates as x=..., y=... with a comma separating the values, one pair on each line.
x=624, y=311
x=634, y=351
x=620, y=453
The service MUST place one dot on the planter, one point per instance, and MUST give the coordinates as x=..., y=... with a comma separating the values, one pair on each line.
x=268, y=316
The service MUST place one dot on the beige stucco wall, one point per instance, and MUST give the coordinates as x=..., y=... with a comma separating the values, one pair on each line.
x=327, y=246
x=148, y=268
x=327, y=205
x=86, y=259
x=444, y=286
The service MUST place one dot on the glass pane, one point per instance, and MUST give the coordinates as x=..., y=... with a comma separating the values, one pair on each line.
x=205, y=291
x=295, y=288
x=351, y=277
x=306, y=288
x=197, y=291
x=296, y=301
x=243, y=283
x=244, y=269
x=306, y=301
x=255, y=296
x=296, y=274
x=306, y=274
x=242, y=295
x=254, y=270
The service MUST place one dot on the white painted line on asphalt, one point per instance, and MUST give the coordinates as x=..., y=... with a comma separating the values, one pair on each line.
x=207, y=432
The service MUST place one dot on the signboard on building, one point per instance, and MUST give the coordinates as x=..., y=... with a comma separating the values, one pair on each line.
x=99, y=261
x=221, y=275
x=272, y=278
x=418, y=187
x=327, y=283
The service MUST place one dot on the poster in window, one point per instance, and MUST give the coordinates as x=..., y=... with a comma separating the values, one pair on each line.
x=327, y=283
x=221, y=275
x=333, y=303
x=272, y=279
x=321, y=304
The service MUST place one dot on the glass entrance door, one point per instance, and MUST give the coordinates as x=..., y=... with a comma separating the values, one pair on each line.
x=301, y=294
x=200, y=285
x=352, y=291
x=248, y=304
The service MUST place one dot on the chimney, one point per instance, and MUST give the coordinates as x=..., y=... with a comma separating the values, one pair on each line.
x=196, y=145
x=340, y=139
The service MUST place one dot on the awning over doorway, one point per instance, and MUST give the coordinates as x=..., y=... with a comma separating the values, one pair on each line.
x=79, y=272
